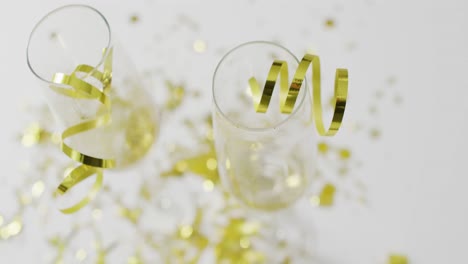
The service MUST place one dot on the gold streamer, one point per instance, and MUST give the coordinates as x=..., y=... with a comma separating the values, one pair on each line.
x=81, y=89
x=288, y=97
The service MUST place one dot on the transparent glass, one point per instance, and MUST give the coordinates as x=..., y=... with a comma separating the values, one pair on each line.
x=266, y=160
x=77, y=34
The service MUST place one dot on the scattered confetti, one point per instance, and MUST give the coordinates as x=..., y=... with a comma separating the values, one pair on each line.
x=199, y=46
x=323, y=148
x=391, y=80
x=81, y=255
x=329, y=23
x=134, y=19
x=397, y=259
x=235, y=245
x=326, y=196
x=176, y=95
x=132, y=215
x=37, y=189
x=12, y=229
x=34, y=134
x=345, y=154
x=375, y=133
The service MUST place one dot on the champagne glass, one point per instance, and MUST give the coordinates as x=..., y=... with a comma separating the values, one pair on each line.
x=265, y=160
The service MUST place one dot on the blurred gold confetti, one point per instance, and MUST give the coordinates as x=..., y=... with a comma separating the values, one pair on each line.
x=397, y=259
x=375, y=133
x=132, y=215
x=145, y=192
x=192, y=235
x=136, y=259
x=34, y=134
x=11, y=229
x=37, y=189
x=323, y=148
x=235, y=245
x=208, y=185
x=204, y=165
x=326, y=197
x=391, y=80
x=176, y=95
x=329, y=23
x=134, y=19
x=81, y=255
x=199, y=46
x=342, y=171
x=344, y=154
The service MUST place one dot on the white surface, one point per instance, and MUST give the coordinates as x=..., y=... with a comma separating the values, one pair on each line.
x=415, y=174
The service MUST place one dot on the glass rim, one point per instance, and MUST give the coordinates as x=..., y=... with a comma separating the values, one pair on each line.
x=45, y=17
x=262, y=129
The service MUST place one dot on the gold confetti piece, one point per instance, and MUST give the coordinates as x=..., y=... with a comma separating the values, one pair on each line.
x=323, y=147
x=132, y=215
x=344, y=154
x=329, y=23
x=397, y=259
x=134, y=19
x=136, y=259
x=192, y=235
x=37, y=189
x=325, y=198
x=204, y=165
x=11, y=229
x=375, y=133
x=34, y=134
x=53, y=35
x=145, y=192
x=343, y=171
x=362, y=200
x=391, y=80
x=176, y=95
x=208, y=185
x=185, y=231
x=235, y=244
x=288, y=97
x=379, y=94
x=81, y=255
x=327, y=195
x=211, y=164
x=199, y=46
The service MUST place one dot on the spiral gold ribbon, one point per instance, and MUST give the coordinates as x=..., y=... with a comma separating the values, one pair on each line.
x=288, y=97
x=78, y=88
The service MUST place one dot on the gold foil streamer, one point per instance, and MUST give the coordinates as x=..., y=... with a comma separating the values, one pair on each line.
x=80, y=89
x=288, y=97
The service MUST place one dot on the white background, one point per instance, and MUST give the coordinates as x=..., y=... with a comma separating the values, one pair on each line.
x=415, y=174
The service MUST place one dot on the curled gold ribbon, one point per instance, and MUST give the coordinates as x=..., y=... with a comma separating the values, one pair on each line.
x=288, y=97
x=80, y=89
